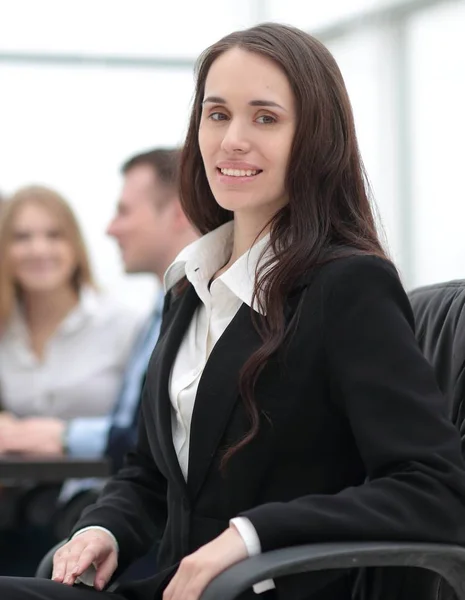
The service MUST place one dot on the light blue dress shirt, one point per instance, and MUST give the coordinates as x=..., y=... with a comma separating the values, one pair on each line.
x=87, y=437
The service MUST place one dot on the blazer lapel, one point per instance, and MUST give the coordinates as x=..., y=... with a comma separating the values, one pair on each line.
x=217, y=394
x=177, y=320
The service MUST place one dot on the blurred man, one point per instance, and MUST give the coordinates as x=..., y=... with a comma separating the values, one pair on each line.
x=151, y=229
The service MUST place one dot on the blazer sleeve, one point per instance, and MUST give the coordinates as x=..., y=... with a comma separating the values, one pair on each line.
x=415, y=487
x=133, y=504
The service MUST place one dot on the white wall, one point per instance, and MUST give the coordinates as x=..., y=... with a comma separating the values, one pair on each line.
x=120, y=27
x=438, y=138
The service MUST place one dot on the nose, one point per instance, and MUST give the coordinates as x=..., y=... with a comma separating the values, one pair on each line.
x=236, y=137
x=39, y=245
x=112, y=228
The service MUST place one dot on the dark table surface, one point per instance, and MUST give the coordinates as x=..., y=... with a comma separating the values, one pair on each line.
x=50, y=469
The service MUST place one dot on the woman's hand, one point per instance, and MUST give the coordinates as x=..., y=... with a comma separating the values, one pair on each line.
x=93, y=547
x=6, y=418
x=36, y=435
x=198, y=569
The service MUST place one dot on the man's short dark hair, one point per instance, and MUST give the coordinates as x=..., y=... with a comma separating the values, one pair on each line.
x=163, y=161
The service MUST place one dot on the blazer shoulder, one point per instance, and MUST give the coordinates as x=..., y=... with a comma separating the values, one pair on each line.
x=359, y=282
x=352, y=281
x=361, y=289
x=358, y=271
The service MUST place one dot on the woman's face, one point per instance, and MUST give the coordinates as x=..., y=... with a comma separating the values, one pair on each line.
x=246, y=131
x=41, y=259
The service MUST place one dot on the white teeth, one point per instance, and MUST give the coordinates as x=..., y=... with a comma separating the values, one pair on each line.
x=238, y=172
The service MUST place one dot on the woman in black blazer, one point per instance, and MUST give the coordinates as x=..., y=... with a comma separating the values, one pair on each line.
x=316, y=417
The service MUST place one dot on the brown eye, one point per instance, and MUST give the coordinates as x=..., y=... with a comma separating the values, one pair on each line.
x=21, y=236
x=217, y=116
x=54, y=234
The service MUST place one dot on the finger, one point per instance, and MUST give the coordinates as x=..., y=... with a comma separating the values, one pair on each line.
x=105, y=570
x=82, y=560
x=58, y=572
x=60, y=564
x=70, y=558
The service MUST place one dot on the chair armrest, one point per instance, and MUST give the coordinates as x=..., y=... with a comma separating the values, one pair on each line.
x=45, y=568
x=447, y=561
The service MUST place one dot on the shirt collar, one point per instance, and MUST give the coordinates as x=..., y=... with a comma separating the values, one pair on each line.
x=87, y=307
x=204, y=257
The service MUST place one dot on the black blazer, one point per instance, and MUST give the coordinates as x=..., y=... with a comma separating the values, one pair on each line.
x=122, y=438
x=354, y=442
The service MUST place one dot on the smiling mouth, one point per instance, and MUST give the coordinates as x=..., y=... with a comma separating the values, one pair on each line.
x=239, y=172
x=42, y=266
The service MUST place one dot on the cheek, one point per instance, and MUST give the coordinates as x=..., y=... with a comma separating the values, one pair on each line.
x=128, y=228
x=201, y=141
x=16, y=254
x=208, y=141
x=281, y=157
x=68, y=257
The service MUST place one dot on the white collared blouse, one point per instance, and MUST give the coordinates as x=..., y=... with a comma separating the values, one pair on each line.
x=81, y=372
x=220, y=301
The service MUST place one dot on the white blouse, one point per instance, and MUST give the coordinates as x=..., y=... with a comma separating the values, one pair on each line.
x=81, y=372
x=220, y=301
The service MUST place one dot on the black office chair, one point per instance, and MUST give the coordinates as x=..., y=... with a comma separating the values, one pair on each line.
x=446, y=561
x=440, y=320
x=439, y=311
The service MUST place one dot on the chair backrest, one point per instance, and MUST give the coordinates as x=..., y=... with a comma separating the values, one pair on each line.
x=439, y=312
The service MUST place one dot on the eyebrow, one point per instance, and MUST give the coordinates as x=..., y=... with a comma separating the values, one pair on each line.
x=219, y=100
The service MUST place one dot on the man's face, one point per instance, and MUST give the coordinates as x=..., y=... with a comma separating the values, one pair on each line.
x=142, y=225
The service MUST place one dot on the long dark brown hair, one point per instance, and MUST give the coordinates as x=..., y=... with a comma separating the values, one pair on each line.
x=328, y=214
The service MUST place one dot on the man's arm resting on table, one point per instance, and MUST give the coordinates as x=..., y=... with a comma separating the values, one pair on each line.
x=87, y=437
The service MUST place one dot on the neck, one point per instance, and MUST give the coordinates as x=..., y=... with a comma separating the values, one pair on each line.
x=46, y=310
x=246, y=234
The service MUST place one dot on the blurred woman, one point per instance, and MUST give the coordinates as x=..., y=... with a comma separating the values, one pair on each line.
x=63, y=344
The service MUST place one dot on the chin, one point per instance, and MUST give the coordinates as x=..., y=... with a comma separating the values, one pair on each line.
x=236, y=201
x=40, y=287
x=251, y=208
x=131, y=267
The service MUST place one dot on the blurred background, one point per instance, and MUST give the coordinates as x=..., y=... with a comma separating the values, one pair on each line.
x=86, y=83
